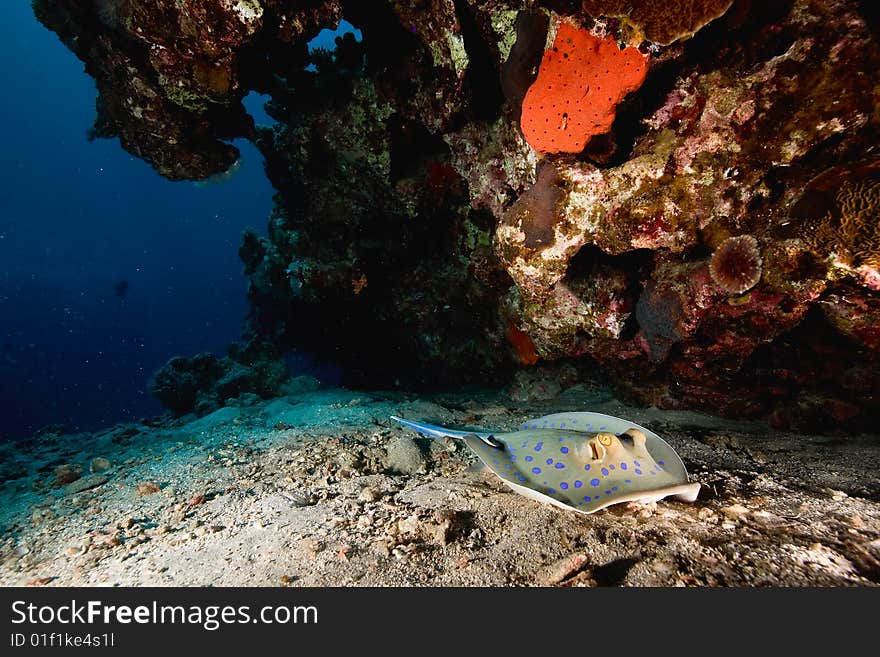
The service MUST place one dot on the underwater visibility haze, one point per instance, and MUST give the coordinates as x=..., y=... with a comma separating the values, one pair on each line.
x=268, y=267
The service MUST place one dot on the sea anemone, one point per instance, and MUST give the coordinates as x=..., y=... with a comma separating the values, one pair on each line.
x=736, y=264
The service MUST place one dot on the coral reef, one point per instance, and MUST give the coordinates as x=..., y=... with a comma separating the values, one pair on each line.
x=204, y=382
x=711, y=163
x=428, y=231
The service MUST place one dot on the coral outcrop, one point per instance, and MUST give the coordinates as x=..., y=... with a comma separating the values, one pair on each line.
x=709, y=240
x=204, y=382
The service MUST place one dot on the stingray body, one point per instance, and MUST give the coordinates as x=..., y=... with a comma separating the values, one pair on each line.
x=578, y=461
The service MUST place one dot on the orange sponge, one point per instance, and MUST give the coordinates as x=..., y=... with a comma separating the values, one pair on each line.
x=581, y=80
x=522, y=345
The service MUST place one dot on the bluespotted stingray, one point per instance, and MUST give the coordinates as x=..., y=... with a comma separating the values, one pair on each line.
x=578, y=461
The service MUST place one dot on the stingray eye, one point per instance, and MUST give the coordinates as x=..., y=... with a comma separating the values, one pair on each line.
x=605, y=439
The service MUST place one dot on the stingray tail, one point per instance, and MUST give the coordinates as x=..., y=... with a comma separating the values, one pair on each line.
x=434, y=431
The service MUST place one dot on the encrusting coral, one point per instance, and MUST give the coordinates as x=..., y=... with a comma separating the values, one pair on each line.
x=662, y=23
x=581, y=81
x=840, y=209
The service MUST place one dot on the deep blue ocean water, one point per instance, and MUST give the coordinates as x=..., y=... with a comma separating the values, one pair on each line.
x=76, y=219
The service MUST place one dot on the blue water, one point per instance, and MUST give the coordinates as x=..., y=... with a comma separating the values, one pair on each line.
x=77, y=217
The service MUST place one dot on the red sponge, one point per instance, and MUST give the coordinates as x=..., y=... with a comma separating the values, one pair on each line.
x=581, y=80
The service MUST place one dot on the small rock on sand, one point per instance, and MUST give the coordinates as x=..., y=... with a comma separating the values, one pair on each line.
x=147, y=488
x=558, y=571
x=67, y=473
x=86, y=483
x=404, y=456
x=99, y=464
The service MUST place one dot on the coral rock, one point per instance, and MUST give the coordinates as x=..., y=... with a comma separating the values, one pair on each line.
x=660, y=22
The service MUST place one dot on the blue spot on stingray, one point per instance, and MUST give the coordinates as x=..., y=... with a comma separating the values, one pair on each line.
x=529, y=458
x=562, y=426
x=604, y=472
x=587, y=466
x=623, y=466
x=589, y=427
x=602, y=428
x=549, y=461
x=594, y=482
x=563, y=486
x=507, y=466
x=638, y=471
x=587, y=498
x=539, y=446
x=611, y=466
x=652, y=472
x=564, y=450
x=545, y=483
x=520, y=477
x=559, y=466
x=536, y=470
x=628, y=481
x=495, y=462
x=660, y=463
x=637, y=464
x=596, y=498
x=551, y=491
x=614, y=488
x=578, y=483
x=608, y=492
x=512, y=458
x=574, y=421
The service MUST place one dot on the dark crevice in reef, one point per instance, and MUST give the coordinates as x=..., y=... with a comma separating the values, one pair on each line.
x=413, y=148
x=636, y=263
x=615, y=148
x=520, y=69
x=481, y=79
x=386, y=41
x=809, y=373
x=746, y=35
x=870, y=10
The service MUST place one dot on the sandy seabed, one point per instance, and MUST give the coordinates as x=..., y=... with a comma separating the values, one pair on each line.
x=322, y=488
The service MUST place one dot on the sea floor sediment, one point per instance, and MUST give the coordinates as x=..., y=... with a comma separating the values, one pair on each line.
x=321, y=488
